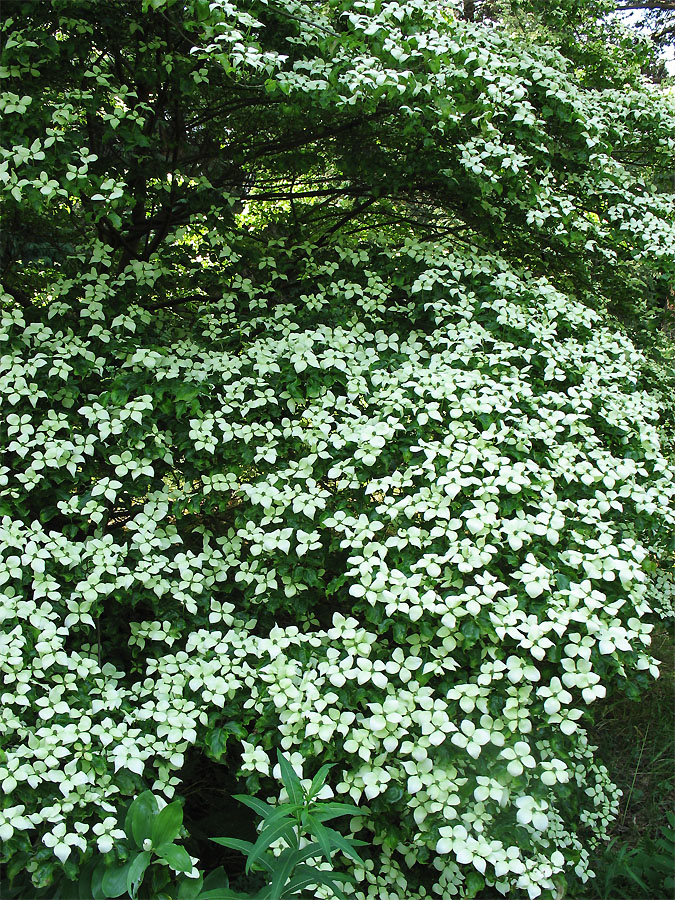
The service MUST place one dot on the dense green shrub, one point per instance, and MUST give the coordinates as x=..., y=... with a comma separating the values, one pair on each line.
x=381, y=499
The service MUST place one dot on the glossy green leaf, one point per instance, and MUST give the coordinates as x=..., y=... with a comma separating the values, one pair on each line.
x=328, y=835
x=167, y=824
x=216, y=879
x=327, y=811
x=322, y=838
x=217, y=742
x=177, y=857
x=114, y=880
x=84, y=882
x=136, y=872
x=190, y=888
x=139, y=818
x=96, y=889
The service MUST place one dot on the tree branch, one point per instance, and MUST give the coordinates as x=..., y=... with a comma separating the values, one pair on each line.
x=300, y=195
x=179, y=301
x=18, y=296
x=657, y=5
x=354, y=211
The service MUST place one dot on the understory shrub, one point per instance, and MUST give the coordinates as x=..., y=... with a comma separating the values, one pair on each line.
x=385, y=500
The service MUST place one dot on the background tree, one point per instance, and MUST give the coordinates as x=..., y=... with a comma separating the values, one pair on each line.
x=657, y=16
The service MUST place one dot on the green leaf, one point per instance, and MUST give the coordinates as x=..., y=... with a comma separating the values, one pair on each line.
x=319, y=780
x=474, y=883
x=290, y=780
x=177, y=857
x=223, y=894
x=336, y=839
x=470, y=630
x=309, y=851
x=166, y=826
x=281, y=870
x=306, y=875
x=244, y=846
x=187, y=391
x=96, y=884
x=216, y=743
x=114, y=881
x=136, y=871
x=330, y=811
x=322, y=838
x=190, y=888
x=216, y=879
x=84, y=888
x=263, y=809
x=236, y=729
x=283, y=812
x=234, y=844
x=138, y=822
x=119, y=396
x=282, y=829
x=636, y=878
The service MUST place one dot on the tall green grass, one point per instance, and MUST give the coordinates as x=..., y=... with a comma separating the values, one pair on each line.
x=636, y=741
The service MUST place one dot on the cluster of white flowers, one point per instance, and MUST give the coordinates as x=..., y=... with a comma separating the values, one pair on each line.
x=393, y=512
x=469, y=525
x=661, y=592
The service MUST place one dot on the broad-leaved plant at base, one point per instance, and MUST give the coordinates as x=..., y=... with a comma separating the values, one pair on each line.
x=297, y=827
x=292, y=849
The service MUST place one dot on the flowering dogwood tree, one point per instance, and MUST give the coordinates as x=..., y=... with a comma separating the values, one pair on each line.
x=316, y=435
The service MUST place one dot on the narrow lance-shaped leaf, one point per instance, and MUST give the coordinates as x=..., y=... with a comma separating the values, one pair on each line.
x=326, y=812
x=319, y=780
x=328, y=836
x=245, y=847
x=263, y=809
x=283, y=829
x=305, y=876
x=290, y=780
x=281, y=870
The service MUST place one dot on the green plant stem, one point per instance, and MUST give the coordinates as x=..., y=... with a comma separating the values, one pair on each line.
x=635, y=774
